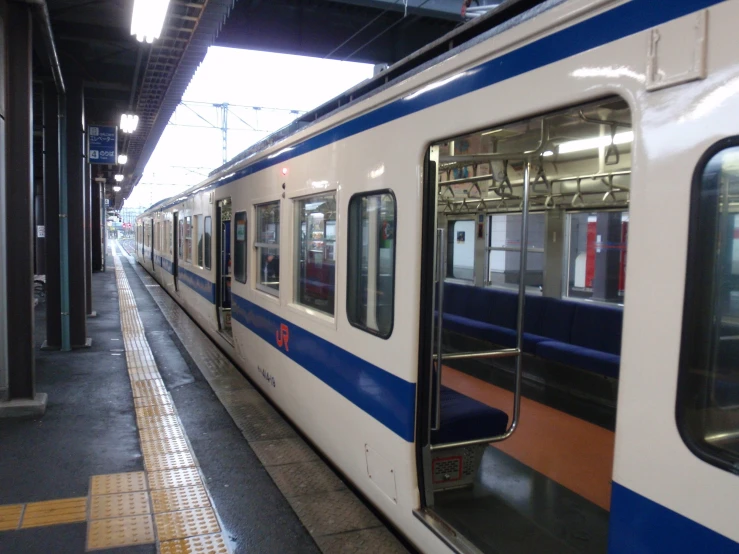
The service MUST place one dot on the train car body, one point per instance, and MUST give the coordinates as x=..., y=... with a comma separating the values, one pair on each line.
x=315, y=264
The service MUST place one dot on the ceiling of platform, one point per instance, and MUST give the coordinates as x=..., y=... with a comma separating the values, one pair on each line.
x=122, y=75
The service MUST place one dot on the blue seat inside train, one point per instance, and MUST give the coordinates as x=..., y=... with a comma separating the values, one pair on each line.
x=586, y=336
x=464, y=418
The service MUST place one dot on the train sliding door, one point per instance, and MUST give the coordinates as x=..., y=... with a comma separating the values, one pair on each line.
x=518, y=373
x=223, y=267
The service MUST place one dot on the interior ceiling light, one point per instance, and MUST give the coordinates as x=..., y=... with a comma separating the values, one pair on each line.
x=596, y=142
x=118, y=177
x=129, y=123
x=148, y=19
x=122, y=159
x=116, y=189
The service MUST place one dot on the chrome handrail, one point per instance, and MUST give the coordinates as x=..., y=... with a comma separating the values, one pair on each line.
x=519, y=334
x=440, y=275
x=504, y=353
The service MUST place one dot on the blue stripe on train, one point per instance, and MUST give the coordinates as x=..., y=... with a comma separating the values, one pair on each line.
x=641, y=526
x=630, y=18
x=387, y=398
x=199, y=284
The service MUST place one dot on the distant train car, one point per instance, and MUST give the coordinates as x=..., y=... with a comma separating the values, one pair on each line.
x=435, y=277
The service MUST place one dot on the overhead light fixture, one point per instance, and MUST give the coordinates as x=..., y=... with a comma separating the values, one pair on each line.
x=118, y=177
x=129, y=123
x=596, y=142
x=148, y=19
x=122, y=159
x=547, y=153
x=116, y=189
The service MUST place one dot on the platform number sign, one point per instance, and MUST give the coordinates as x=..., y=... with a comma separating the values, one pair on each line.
x=102, y=144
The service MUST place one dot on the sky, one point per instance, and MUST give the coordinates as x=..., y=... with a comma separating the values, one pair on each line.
x=192, y=144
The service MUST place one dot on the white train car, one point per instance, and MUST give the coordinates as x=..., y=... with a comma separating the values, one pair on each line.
x=573, y=412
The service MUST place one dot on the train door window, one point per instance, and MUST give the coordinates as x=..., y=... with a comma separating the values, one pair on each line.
x=504, y=251
x=240, y=247
x=208, y=243
x=188, y=239
x=371, y=262
x=316, y=252
x=595, y=266
x=199, y=235
x=171, y=238
x=708, y=387
x=267, y=245
x=181, y=240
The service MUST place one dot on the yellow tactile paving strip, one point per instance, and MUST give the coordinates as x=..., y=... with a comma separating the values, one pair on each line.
x=167, y=502
x=54, y=512
x=10, y=516
x=184, y=519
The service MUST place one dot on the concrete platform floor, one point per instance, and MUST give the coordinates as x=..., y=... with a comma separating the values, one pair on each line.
x=91, y=429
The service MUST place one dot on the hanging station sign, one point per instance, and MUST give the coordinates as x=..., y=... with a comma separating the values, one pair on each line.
x=102, y=144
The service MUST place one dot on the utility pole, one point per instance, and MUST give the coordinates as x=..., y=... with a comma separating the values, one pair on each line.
x=224, y=128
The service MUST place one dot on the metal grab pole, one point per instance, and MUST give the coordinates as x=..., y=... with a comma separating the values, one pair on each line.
x=63, y=225
x=519, y=329
x=441, y=264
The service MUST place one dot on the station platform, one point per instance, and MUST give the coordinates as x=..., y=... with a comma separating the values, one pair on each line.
x=153, y=441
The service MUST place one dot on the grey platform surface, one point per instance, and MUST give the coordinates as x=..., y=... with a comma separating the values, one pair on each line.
x=333, y=515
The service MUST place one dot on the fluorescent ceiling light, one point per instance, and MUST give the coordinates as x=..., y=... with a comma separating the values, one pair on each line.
x=129, y=123
x=122, y=159
x=148, y=19
x=118, y=177
x=596, y=142
x=547, y=153
x=116, y=189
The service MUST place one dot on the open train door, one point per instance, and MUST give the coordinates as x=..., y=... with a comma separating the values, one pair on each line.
x=223, y=267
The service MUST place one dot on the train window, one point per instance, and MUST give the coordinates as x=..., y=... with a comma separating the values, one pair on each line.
x=267, y=245
x=181, y=240
x=461, y=249
x=240, y=248
x=504, y=251
x=188, y=239
x=708, y=386
x=199, y=234
x=316, y=252
x=208, y=239
x=587, y=274
x=371, y=262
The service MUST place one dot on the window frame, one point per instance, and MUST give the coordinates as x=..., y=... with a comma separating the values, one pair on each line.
x=275, y=293
x=245, y=242
x=199, y=237
x=208, y=244
x=694, y=311
x=349, y=237
x=296, y=302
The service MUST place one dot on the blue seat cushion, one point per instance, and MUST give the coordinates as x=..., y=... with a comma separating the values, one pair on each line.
x=557, y=320
x=464, y=418
x=585, y=358
x=480, y=330
x=597, y=327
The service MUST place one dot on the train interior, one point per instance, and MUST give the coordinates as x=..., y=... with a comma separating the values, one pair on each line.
x=557, y=188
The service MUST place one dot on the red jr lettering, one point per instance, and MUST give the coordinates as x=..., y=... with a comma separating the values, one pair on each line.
x=283, y=336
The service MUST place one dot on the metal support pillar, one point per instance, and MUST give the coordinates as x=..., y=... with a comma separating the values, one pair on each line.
x=19, y=211
x=3, y=264
x=88, y=234
x=97, y=236
x=51, y=219
x=76, y=167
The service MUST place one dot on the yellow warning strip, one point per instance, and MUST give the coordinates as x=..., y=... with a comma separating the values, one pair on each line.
x=175, y=495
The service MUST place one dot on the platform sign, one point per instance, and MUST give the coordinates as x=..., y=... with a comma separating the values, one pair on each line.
x=102, y=144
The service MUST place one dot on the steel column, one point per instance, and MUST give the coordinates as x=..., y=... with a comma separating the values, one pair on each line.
x=88, y=233
x=3, y=265
x=19, y=203
x=51, y=218
x=76, y=167
x=97, y=238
